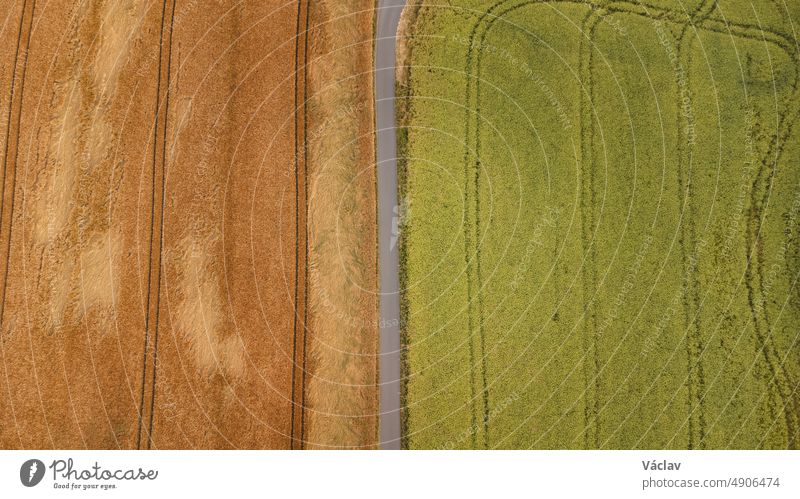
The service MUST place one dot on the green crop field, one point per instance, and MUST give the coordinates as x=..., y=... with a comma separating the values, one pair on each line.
x=600, y=243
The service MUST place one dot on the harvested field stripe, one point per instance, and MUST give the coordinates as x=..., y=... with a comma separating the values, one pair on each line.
x=158, y=192
x=13, y=151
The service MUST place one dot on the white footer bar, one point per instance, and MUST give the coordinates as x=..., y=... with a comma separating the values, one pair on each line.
x=407, y=474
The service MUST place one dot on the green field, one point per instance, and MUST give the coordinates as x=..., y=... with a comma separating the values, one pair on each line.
x=601, y=243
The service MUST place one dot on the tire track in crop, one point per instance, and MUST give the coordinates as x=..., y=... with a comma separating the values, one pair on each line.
x=781, y=380
x=473, y=187
x=476, y=190
x=699, y=18
x=11, y=149
x=305, y=224
x=688, y=238
x=786, y=120
x=477, y=229
x=591, y=409
x=784, y=383
x=479, y=274
x=597, y=17
x=301, y=199
x=158, y=191
x=782, y=41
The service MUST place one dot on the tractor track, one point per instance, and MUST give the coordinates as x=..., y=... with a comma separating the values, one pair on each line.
x=756, y=293
x=697, y=18
x=472, y=185
x=158, y=192
x=587, y=190
x=688, y=238
x=11, y=152
x=301, y=219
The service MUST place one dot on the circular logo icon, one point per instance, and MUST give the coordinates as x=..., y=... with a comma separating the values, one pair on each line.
x=31, y=472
